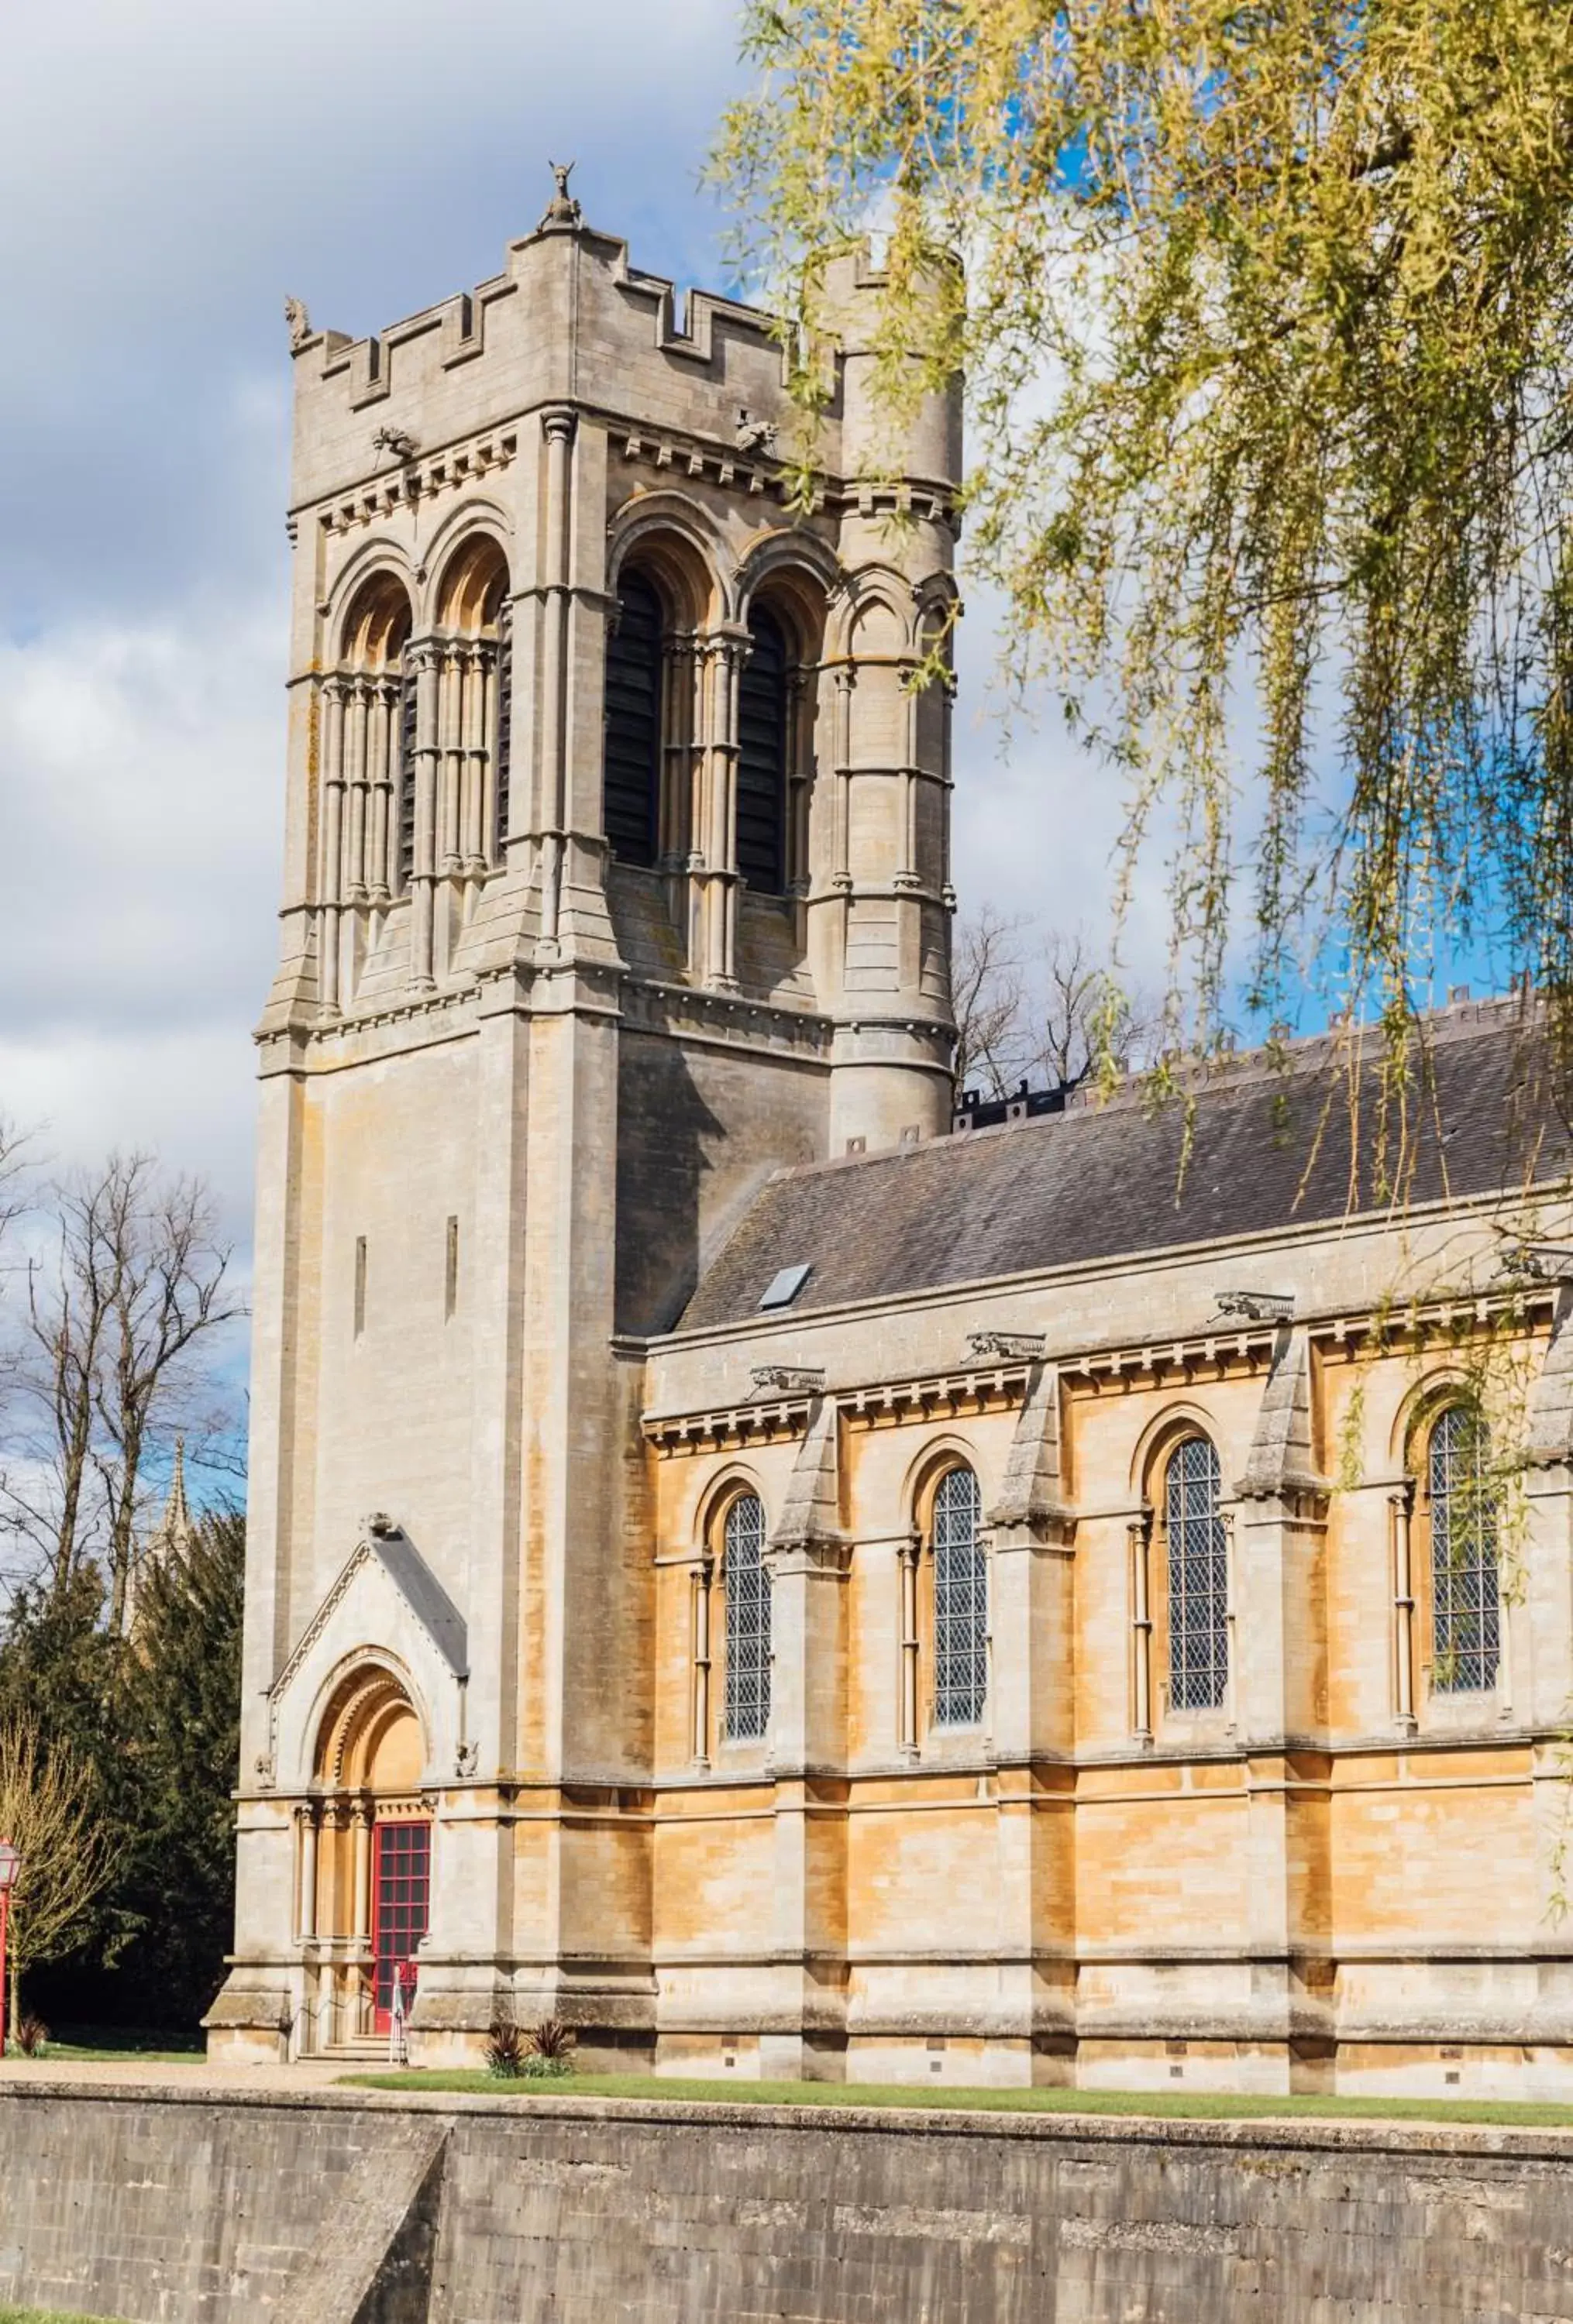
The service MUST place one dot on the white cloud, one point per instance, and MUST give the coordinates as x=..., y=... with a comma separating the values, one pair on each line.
x=199, y=162
x=141, y=797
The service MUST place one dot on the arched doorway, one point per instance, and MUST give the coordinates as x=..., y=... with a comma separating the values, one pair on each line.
x=365, y=1863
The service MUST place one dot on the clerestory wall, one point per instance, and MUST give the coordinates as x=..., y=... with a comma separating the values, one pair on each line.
x=358, y=2208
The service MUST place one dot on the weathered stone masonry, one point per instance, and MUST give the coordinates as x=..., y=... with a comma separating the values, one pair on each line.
x=348, y=2210
x=1029, y=1646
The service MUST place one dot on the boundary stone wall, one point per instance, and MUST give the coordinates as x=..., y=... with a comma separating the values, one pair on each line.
x=329, y=2208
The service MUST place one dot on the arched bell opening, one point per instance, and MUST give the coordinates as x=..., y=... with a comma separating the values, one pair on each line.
x=472, y=653
x=363, y=1881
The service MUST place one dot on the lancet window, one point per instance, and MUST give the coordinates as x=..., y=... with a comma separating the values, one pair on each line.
x=1198, y=1550
x=631, y=781
x=1466, y=1590
x=764, y=754
x=961, y=1604
x=471, y=667
x=745, y=1590
x=363, y=725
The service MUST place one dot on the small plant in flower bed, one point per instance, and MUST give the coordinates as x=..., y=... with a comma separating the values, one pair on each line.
x=31, y=2037
x=505, y=2049
x=548, y=2051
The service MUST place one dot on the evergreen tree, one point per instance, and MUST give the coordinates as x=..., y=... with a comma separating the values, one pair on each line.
x=179, y=1712
x=155, y=1718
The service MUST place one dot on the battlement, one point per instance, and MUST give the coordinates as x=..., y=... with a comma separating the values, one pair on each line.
x=571, y=319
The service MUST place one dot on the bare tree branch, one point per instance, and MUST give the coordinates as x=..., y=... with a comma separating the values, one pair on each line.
x=117, y=1319
x=47, y=1811
x=989, y=998
x=1040, y=1005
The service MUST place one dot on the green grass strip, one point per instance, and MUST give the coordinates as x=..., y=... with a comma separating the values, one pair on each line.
x=45, y=2315
x=1175, y=2106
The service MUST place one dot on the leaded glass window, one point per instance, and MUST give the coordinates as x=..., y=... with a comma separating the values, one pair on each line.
x=960, y=1604
x=746, y=1586
x=1199, y=1579
x=1466, y=1599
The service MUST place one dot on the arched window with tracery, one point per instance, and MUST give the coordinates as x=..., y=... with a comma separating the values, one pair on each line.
x=1466, y=1585
x=631, y=776
x=1197, y=1552
x=961, y=1603
x=745, y=1594
x=362, y=762
x=472, y=677
x=764, y=754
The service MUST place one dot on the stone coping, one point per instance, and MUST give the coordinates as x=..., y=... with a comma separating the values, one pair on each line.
x=1317, y=2134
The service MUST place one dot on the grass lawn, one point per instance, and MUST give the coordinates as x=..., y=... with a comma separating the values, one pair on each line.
x=41, y=2316
x=1201, y=2105
x=59, y=2050
x=158, y=2045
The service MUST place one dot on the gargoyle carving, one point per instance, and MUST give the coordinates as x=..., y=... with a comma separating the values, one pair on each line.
x=755, y=435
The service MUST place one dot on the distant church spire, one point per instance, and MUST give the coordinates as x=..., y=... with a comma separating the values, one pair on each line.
x=175, y=1528
x=170, y=1537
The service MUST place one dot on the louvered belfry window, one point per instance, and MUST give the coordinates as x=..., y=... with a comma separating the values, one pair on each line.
x=408, y=691
x=746, y=1587
x=960, y=1604
x=631, y=780
x=504, y=727
x=762, y=757
x=1465, y=1595
x=1199, y=1578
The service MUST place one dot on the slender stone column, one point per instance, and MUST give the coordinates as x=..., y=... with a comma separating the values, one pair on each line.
x=483, y=758
x=363, y=1875
x=911, y=1554
x=451, y=715
x=425, y=663
x=1400, y=1516
x=703, y=1582
x=383, y=791
x=557, y=428
x=362, y=743
x=722, y=657
x=1139, y=1535
x=307, y=1917
x=333, y=695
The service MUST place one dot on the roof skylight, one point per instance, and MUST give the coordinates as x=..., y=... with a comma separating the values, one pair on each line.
x=783, y=1288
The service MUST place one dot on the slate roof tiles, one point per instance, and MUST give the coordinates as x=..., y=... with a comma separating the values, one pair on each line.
x=1269, y=1150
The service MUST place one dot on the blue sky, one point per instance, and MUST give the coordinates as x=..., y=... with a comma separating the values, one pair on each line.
x=167, y=172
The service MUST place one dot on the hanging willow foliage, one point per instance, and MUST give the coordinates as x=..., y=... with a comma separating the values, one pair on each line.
x=1267, y=319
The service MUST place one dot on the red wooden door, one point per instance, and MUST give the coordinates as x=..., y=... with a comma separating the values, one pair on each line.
x=401, y=1900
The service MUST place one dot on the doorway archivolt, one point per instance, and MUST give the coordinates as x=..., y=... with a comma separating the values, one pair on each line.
x=364, y=1855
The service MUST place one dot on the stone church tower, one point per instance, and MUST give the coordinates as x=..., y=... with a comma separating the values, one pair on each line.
x=616, y=881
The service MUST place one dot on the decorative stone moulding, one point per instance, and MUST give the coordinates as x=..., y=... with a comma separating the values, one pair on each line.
x=420, y=476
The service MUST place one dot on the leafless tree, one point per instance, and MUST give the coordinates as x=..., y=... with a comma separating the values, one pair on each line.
x=990, y=996
x=1083, y=1014
x=1038, y=1005
x=47, y=1811
x=118, y=1316
x=13, y=1202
